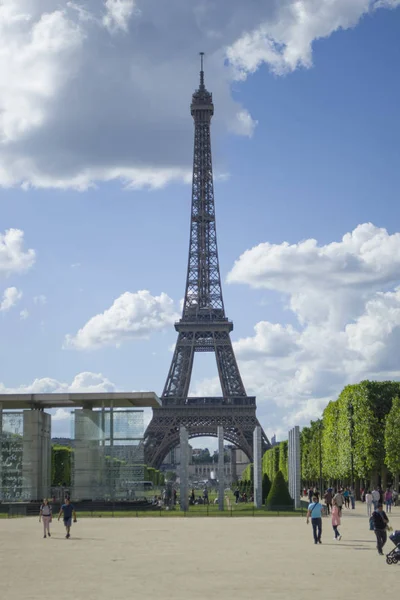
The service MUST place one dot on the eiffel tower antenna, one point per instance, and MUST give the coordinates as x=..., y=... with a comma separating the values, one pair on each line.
x=203, y=326
x=202, y=70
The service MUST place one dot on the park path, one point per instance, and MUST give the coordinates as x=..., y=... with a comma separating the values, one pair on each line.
x=192, y=558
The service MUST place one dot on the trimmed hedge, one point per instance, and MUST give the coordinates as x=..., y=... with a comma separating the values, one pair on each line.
x=279, y=496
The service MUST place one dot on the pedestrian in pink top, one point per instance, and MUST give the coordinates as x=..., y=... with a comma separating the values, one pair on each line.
x=336, y=520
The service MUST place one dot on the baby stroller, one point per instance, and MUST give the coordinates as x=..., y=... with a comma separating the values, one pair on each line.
x=394, y=556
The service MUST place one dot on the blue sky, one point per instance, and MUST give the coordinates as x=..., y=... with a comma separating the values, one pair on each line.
x=95, y=161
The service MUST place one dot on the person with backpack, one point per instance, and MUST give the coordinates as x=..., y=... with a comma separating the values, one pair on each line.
x=339, y=501
x=46, y=515
x=380, y=522
x=315, y=513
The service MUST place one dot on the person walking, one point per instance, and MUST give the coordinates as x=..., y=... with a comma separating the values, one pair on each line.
x=336, y=520
x=46, y=516
x=314, y=512
x=368, y=502
x=380, y=522
x=328, y=499
x=339, y=501
x=388, y=500
x=68, y=511
x=375, y=498
x=236, y=493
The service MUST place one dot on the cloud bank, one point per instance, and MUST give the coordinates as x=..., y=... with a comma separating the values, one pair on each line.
x=345, y=297
x=95, y=91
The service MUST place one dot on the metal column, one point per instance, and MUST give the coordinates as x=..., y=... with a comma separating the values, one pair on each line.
x=221, y=468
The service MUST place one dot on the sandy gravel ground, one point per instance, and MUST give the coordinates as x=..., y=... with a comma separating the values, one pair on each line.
x=222, y=558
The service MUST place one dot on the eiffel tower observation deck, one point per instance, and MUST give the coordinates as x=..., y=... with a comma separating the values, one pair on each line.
x=203, y=326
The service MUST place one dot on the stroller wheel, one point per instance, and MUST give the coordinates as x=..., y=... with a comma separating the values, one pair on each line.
x=395, y=560
x=389, y=560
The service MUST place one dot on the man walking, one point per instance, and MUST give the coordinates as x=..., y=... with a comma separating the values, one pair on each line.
x=314, y=512
x=69, y=511
x=380, y=521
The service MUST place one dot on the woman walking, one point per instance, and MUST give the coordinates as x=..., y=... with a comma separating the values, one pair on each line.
x=45, y=515
x=336, y=520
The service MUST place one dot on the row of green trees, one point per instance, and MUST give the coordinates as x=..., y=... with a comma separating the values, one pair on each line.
x=357, y=440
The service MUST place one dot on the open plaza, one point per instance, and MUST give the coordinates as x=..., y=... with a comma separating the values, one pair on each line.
x=185, y=558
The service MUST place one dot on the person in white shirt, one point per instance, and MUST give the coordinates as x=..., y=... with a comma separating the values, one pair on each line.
x=375, y=497
x=368, y=502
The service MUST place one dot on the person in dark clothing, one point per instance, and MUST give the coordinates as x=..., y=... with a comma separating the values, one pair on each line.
x=328, y=500
x=380, y=522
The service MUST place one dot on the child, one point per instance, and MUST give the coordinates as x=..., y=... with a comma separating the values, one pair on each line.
x=336, y=520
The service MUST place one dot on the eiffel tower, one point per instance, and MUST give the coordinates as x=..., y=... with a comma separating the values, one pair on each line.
x=203, y=326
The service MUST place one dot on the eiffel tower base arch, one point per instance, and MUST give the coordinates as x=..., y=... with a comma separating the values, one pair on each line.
x=162, y=434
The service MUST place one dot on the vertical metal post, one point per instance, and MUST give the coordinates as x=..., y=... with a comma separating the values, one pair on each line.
x=184, y=468
x=294, y=465
x=221, y=468
x=257, y=475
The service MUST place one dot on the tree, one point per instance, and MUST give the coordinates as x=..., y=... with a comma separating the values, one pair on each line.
x=330, y=441
x=61, y=458
x=392, y=440
x=266, y=486
x=279, y=496
x=170, y=476
x=283, y=459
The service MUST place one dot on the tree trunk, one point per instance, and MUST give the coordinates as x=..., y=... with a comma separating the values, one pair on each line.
x=384, y=474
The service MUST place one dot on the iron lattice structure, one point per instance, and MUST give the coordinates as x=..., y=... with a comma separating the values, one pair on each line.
x=203, y=326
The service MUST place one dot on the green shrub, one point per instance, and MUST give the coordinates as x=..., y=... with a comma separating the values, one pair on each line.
x=279, y=494
x=266, y=486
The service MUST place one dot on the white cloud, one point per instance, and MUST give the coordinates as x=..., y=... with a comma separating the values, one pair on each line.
x=41, y=299
x=55, y=58
x=83, y=382
x=131, y=316
x=24, y=314
x=13, y=258
x=10, y=298
x=324, y=282
x=270, y=340
x=118, y=14
x=284, y=40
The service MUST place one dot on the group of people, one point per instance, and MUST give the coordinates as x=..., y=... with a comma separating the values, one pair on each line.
x=378, y=519
x=67, y=510
x=378, y=496
x=334, y=506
